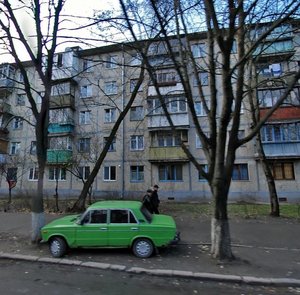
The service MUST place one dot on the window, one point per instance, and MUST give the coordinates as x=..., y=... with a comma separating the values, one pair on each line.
x=166, y=78
x=283, y=171
x=154, y=106
x=87, y=66
x=98, y=216
x=110, y=87
x=84, y=145
x=136, y=113
x=58, y=60
x=110, y=173
x=15, y=148
x=176, y=105
x=33, y=173
x=133, y=83
x=240, y=172
x=167, y=139
x=137, y=142
x=121, y=216
x=289, y=132
x=60, y=116
x=112, y=146
x=60, y=143
x=170, y=172
x=57, y=173
x=33, y=148
x=110, y=115
x=111, y=61
x=86, y=91
x=203, y=77
x=135, y=60
x=198, y=50
x=20, y=101
x=270, y=70
x=17, y=123
x=136, y=173
x=268, y=97
x=84, y=117
x=84, y=172
x=61, y=89
x=205, y=169
x=199, y=108
x=12, y=173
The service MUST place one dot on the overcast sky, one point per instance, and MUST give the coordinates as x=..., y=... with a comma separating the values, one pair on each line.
x=80, y=8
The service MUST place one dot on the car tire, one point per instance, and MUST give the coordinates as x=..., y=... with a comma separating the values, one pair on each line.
x=58, y=247
x=142, y=248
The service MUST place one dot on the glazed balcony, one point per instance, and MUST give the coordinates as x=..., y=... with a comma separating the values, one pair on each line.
x=59, y=156
x=61, y=128
x=282, y=150
x=167, y=154
x=283, y=49
x=157, y=121
x=6, y=86
x=62, y=100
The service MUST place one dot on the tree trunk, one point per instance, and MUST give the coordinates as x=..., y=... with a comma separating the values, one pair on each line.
x=220, y=239
x=275, y=211
x=220, y=232
x=37, y=210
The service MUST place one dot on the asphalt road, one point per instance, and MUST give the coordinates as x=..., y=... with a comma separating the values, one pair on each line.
x=37, y=278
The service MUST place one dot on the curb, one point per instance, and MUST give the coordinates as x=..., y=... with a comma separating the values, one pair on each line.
x=282, y=282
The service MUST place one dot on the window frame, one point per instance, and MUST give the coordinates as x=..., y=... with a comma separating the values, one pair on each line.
x=109, y=173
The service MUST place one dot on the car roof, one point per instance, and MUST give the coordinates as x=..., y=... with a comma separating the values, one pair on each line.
x=116, y=204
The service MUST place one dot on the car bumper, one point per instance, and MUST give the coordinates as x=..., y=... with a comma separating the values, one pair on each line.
x=176, y=239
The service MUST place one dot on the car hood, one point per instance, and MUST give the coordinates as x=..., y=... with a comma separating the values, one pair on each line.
x=63, y=221
x=163, y=220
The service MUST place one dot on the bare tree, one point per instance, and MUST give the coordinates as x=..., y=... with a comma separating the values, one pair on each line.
x=233, y=31
x=42, y=41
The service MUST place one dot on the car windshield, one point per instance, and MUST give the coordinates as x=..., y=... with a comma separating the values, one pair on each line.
x=146, y=213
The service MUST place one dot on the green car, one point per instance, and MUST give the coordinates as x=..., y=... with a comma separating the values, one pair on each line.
x=111, y=224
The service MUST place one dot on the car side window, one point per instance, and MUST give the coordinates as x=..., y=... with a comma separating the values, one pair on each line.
x=98, y=216
x=121, y=216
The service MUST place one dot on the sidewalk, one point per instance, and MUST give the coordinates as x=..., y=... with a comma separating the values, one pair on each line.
x=267, y=251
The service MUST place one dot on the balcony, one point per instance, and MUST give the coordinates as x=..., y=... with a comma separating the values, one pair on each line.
x=62, y=128
x=158, y=121
x=166, y=89
x=6, y=86
x=282, y=50
x=7, y=73
x=282, y=150
x=62, y=100
x=167, y=154
x=59, y=156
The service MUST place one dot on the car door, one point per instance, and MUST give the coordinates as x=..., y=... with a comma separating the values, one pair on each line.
x=122, y=227
x=93, y=230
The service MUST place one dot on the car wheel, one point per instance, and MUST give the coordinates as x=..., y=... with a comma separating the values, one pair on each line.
x=58, y=247
x=142, y=248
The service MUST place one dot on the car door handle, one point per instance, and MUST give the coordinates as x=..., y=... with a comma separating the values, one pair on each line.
x=103, y=228
x=134, y=228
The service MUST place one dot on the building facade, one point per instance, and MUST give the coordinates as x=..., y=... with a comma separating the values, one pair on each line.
x=92, y=87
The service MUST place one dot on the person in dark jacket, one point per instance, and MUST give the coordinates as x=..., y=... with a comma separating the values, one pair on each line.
x=154, y=199
x=147, y=200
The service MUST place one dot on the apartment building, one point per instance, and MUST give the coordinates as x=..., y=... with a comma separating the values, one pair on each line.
x=91, y=88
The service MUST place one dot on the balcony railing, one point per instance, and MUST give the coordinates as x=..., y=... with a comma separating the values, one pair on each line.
x=167, y=154
x=282, y=150
x=63, y=100
x=67, y=127
x=6, y=86
x=179, y=119
x=59, y=156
